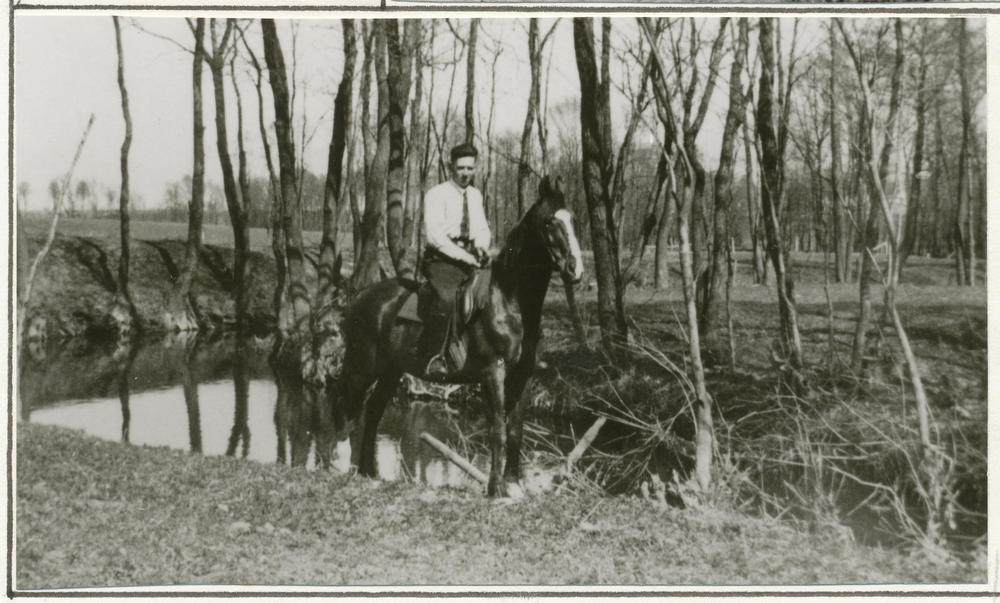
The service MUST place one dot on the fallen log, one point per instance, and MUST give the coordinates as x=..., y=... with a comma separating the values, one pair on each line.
x=455, y=458
x=585, y=442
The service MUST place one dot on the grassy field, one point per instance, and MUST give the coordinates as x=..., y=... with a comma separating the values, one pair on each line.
x=107, y=230
x=281, y=526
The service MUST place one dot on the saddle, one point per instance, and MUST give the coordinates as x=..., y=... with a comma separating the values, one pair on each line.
x=420, y=304
x=443, y=322
x=421, y=300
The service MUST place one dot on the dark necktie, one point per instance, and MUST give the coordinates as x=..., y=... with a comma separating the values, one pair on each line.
x=465, y=214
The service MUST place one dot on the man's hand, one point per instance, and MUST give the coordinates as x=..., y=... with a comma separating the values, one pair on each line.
x=484, y=258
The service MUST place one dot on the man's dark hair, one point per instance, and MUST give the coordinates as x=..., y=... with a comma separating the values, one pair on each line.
x=463, y=150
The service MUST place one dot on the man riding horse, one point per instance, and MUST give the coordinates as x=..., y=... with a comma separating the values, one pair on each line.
x=458, y=240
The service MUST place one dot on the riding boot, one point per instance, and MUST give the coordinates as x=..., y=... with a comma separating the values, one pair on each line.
x=438, y=367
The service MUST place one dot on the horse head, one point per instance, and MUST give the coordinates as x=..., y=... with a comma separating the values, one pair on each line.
x=556, y=222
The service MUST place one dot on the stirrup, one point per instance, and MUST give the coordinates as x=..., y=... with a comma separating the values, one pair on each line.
x=437, y=368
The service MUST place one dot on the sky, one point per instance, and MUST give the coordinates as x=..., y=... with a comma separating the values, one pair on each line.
x=66, y=70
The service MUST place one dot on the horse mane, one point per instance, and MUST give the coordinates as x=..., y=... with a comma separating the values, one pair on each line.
x=507, y=262
x=525, y=238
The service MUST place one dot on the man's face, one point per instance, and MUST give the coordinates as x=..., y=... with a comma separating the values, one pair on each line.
x=464, y=168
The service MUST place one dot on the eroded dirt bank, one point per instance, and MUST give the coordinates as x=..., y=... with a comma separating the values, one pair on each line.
x=75, y=285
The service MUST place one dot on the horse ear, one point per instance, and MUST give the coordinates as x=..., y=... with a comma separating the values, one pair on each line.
x=544, y=188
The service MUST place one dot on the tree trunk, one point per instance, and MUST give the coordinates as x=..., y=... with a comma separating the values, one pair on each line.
x=182, y=316
x=399, y=76
x=771, y=191
x=124, y=310
x=281, y=309
x=661, y=264
x=841, y=224
x=367, y=269
x=470, y=82
x=611, y=315
x=964, y=245
x=939, y=168
x=523, y=169
x=718, y=268
x=606, y=139
x=24, y=302
x=912, y=229
x=241, y=221
x=872, y=223
x=237, y=210
x=329, y=273
x=680, y=187
x=700, y=219
x=291, y=219
x=635, y=269
x=705, y=434
x=367, y=139
x=753, y=211
x=415, y=155
x=930, y=487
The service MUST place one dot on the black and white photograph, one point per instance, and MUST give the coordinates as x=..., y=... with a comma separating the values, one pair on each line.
x=353, y=301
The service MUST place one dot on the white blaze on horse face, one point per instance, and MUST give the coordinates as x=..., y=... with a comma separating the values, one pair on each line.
x=574, y=245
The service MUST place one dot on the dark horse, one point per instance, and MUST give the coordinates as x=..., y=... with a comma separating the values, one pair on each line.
x=502, y=337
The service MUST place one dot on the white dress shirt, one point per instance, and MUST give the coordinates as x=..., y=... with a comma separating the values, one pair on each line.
x=443, y=220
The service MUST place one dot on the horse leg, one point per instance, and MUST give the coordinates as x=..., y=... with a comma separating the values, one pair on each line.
x=493, y=387
x=384, y=389
x=517, y=379
x=346, y=401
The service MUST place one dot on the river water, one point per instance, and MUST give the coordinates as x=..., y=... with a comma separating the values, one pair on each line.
x=189, y=393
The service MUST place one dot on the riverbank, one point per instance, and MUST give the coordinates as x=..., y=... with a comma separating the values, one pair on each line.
x=97, y=513
x=74, y=289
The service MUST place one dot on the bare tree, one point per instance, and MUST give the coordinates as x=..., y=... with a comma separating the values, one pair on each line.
x=611, y=314
x=281, y=309
x=693, y=119
x=123, y=310
x=417, y=148
x=872, y=223
x=681, y=185
x=342, y=115
x=772, y=131
x=367, y=135
x=718, y=268
x=535, y=49
x=367, y=269
x=964, y=230
x=24, y=302
x=291, y=218
x=236, y=204
x=400, y=56
x=241, y=218
x=181, y=314
x=911, y=227
x=931, y=486
x=755, y=221
x=841, y=224
x=470, y=82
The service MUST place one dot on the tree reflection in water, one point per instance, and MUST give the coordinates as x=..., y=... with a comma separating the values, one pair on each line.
x=125, y=353
x=302, y=417
x=241, y=383
x=191, y=343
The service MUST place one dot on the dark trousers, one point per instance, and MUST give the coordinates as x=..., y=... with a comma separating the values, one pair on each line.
x=445, y=275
